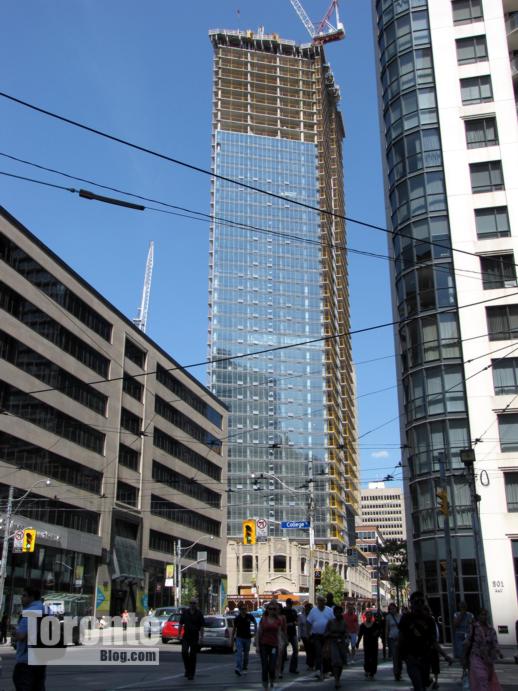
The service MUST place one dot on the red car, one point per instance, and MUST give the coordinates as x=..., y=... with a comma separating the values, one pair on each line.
x=171, y=629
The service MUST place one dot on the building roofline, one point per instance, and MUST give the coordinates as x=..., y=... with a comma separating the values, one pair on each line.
x=52, y=255
x=268, y=43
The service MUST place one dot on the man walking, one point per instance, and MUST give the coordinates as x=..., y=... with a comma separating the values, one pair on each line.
x=28, y=677
x=244, y=629
x=317, y=622
x=417, y=641
x=191, y=632
x=291, y=616
x=353, y=626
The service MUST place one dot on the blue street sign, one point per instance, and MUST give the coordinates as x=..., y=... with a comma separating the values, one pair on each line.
x=295, y=524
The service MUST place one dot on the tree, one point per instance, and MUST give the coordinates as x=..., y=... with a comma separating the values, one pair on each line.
x=189, y=589
x=331, y=582
x=396, y=552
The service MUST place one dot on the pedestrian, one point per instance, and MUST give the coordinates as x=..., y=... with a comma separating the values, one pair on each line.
x=353, y=626
x=338, y=639
x=269, y=635
x=417, y=639
x=392, y=637
x=124, y=619
x=481, y=652
x=291, y=616
x=462, y=623
x=4, y=622
x=190, y=631
x=28, y=677
x=435, y=663
x=330, y=600
x=379, y=618
x=369, y=632
x=243, y=630
x=317, y=622
x=304, y=635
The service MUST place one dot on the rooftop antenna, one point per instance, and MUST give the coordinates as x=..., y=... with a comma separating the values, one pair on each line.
x=324, y=32
x=141, y=319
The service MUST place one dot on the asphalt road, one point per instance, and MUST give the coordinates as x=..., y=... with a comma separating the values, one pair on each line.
x=215, y=672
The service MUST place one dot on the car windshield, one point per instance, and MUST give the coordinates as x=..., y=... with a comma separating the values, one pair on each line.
x=215, y=623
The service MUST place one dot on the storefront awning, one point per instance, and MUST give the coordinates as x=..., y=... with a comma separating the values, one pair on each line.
x=126, y=560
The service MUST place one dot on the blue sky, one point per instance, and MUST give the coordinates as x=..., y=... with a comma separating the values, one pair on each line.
x=142, y=71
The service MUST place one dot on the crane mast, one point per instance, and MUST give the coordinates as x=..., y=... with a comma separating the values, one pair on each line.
x=141, y=319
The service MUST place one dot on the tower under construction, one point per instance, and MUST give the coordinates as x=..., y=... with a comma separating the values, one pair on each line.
x=278, y=289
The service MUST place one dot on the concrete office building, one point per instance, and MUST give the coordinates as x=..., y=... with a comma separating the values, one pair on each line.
x=278, y=288
x=121, y=430
x=448, y=91
x=384, y=507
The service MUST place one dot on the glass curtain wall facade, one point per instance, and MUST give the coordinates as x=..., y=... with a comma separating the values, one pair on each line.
x=435, y=416
x=278, y=287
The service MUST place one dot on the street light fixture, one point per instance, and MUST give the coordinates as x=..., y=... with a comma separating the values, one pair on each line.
x=7, y=527
x=178, y=563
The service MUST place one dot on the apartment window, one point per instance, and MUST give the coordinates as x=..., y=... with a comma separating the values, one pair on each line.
x=134, y=353
x=128, y=457
x=486, y=176
x=131, y=422
x=465, y=11
x=498, y=271
x=471, y=49
x=481, y=132
x=508, y=431
x=176, y=387
x=476, y=90
x=161, y=542
x=186, y=485
x=127, y=494
x=502, y=322
x=183, y=422
x=511, y=491
x=248, y=564
x=195, y=460
x=505, y=375
x=492, y=222
x=132, y=387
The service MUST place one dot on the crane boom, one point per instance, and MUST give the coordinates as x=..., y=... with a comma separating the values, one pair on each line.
x=141, y=319
x=325, y=32
x=304, y=17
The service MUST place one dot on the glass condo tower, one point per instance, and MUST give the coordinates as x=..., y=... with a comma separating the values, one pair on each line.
x=278, y=300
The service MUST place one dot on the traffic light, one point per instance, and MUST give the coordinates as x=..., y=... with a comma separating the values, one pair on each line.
x=249, y=532
x=442, y=495
x=29, y=540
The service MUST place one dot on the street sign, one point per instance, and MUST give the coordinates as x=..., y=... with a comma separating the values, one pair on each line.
x=261, y=529
x=304, y=525
x=18, y=542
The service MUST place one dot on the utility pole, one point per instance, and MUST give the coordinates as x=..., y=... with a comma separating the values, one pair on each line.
x=450, y=579
x=5, y=546
x=179, y=571
x=467, y=456
x=311, y=517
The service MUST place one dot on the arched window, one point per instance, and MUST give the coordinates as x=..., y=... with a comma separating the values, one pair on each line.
x=279, y=563
x=248, y=564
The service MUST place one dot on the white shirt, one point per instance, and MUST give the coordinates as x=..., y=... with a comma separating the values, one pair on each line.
x=318, y=619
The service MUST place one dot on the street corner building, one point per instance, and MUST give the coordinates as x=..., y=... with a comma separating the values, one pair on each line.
x=279, y=320
x=448, y=94
x=134, y=447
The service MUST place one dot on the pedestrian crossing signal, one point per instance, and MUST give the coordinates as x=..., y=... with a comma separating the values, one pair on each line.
x=249, y=532
x=29, y=540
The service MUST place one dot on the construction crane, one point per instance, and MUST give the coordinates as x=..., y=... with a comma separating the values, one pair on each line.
x=324, y=32
x=141, y=319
